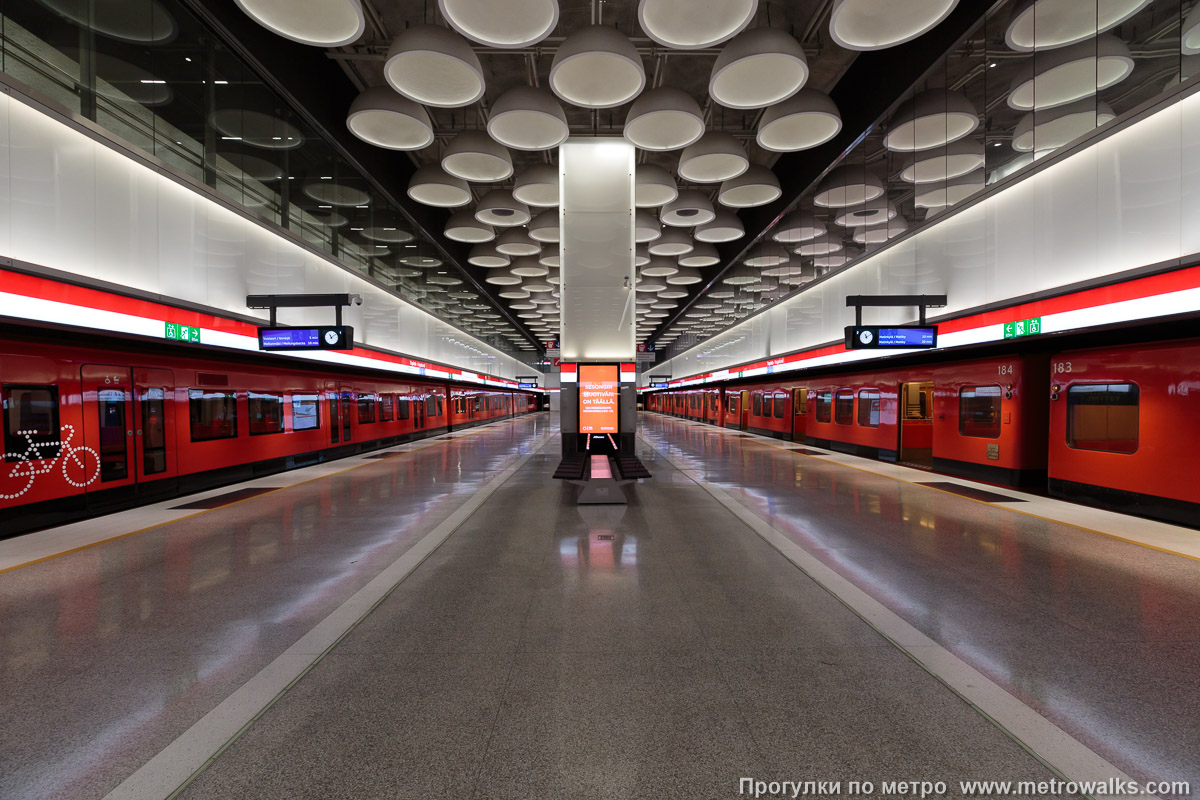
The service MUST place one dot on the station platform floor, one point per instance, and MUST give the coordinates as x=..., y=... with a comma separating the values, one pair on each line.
x=440, y=619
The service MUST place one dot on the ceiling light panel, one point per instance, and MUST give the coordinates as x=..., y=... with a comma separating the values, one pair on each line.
x=381, y=117
x=664, y=119
x=434, y=66
x=526, y=118
x=597, y=67
x=758, y=67
x=874, y=25
x=321, y=23
x=688, y=25
x=506, y=24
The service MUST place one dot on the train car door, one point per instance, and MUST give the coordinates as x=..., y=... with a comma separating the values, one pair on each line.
x=347, y=405
x=799, y=413
x=916, y=423
x=418, y=404
x=154, y=424
x=108, y=424
x=744, y=419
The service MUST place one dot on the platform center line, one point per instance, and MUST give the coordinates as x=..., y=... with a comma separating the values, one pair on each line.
x=1039, y=736
x=176, y=765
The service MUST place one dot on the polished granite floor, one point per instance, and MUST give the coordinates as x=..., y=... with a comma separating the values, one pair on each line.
x=547, y=650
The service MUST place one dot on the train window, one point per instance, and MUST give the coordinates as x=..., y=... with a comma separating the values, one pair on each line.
x=843, y=406
x=387, y=407
x=366, y=408
x=756, y=404
x=477, y=407
x=31, y=408
x=767, y=405
x=868, y=408
x=266, y=413
x=402, y=410
x=800, y=402
x=979, y=411
x=780, y=404
x=1103, y=416
x=824, y=408
x=306, y=412
x=431, y=406
x=114, y=452
x=733, y=400
x=440, y=405
x=213, y=414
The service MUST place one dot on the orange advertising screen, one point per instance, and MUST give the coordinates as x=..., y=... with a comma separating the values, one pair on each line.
x=597, y=398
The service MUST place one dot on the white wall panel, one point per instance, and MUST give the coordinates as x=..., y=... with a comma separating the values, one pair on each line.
x=71, y=203
x=1129, y=200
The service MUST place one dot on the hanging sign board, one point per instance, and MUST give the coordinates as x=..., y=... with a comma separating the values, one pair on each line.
x=326, y=337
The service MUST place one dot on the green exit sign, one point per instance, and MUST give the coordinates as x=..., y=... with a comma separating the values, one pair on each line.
x=1025, y=327
x=182, y=333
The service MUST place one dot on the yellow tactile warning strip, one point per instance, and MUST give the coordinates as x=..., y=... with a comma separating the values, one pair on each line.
x=362, y=461
x=810, y=452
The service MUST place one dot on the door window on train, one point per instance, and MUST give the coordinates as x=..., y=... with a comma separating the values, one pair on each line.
x=402, y=410
x=799, y=402
x=30, y=417
x=868, y=408
x=266, y=413
x=114, y=451
x=366, y=408
x=212, y=414
x=1103, y=416
x=756, y=404
x=979, y=411
x=346, y=399
x=306, y=412
x=151, y=402
x=843, y=407
x=386, y=412
x=824, y=406
x=334, y=426
x=780, y=404
x=767, y=405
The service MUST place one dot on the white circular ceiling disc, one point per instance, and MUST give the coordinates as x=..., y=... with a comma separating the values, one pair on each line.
x=687, y=25
x=876, y=24
x=1072, y=73
x=1047, y=24
x=321, y=23
x=803, y=121
x=597, y=67
x=386, y=119
x=759, y=67
x=434, y=66
x=502, y=23
x=526, y=118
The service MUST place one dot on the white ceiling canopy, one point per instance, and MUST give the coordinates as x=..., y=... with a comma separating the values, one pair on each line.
x=689, y=209
x=653, y=187
x=1061, y=76
x=715, y=157
x=463, y=227
x=321, y=23
x=758, y=67
x=1189, y=42
x=516, y=242
x=597, y=67
x=537, y=185
x=528, y=267
x=544, y=226
x=645, y=227
x=931, y=119
x=725, y=227
x=848, y=185
x=1046, y=24
x=502, y=23
x=660, y=267
x=664, y=119
x=1043, y=131
x=821, y=246
x=947, y=193
x=950, y=161
x=876, y=24
x=878, y=234
x=526, y=118
x=688, y=25
x=767, y=254
x=475, y=156
x=551, y=257
x=757, y=186
x=872, y=212
x=434, y=66
x=805, y=120
x=499, y=209
x=432, y=186
x=684, y=277
x=798, y=226
x=673, y=242
x=381, y=117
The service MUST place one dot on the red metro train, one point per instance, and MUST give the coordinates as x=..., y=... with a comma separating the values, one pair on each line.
x=1112, y=426
x=88, y=430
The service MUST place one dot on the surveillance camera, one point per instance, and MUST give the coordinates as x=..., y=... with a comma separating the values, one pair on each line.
x=356, y=299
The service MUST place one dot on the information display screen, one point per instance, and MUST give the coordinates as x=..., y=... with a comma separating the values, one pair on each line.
x=659, y=385
x=598, y=398
x=905, y=336
x=527, y=386
x=332, y=337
